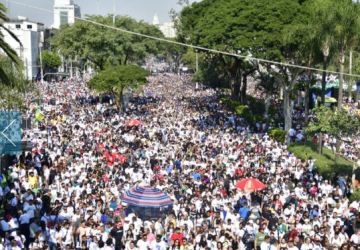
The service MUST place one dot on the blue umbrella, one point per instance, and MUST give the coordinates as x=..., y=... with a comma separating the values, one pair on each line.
x=146, y=197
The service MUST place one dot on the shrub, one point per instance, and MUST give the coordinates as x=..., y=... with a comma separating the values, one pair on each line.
x=355, y=196
x=278, y=135
x=325, y=163
x=239, y=109
x=244, y=112
x=257, y=106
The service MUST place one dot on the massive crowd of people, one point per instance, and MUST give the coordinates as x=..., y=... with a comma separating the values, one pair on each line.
x=66, y=192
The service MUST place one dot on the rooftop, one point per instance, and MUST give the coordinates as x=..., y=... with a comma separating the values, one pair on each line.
x=21, y=19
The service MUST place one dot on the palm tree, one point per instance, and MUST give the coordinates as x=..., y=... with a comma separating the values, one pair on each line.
x=320, y=29
x=5, y=47
x=336, y=25
x=346, y=20
x=325, y=49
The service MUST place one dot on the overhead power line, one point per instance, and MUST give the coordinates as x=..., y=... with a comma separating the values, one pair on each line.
x=215, y=51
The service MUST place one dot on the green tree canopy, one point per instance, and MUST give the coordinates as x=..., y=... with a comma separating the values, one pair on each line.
x=103, y=46
x=115, y=79
x=250, y=27
x=12, y=93
x=336, y=25
x=247, y=27
x=50, y=60
x=8, y=51
x=338, y=123
x=321, y=122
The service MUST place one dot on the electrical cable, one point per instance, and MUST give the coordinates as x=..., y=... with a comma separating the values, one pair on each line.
x=247, y=57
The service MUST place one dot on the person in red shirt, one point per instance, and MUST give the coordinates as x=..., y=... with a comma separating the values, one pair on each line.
x=239, y=171
x=177, y=235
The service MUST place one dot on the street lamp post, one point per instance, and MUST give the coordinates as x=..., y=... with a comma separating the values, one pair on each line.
x=350, y=85
x=41, y=63
x=197, y=60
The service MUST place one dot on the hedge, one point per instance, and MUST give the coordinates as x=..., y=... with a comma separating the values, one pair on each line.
x=325, y=163
x=355, y=196
x=278, y=135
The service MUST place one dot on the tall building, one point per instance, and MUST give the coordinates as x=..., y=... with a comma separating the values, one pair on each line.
x=156, y=21
x=168, y=29
x=65, y=12
x=31, y=34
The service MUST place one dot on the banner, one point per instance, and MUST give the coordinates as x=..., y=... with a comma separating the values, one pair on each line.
x=39, y=116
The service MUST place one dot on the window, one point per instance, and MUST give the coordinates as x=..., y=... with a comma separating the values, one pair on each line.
x=63, y=18
x=29, y=26
x=18, y=26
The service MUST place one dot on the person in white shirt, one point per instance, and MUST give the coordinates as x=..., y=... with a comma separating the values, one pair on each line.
x=355, y=238
x=307, y=245
x=158, y=244
x=265, y=245
x=142, y=243
x=291, y=246
x=131, y=246
x=336, y=240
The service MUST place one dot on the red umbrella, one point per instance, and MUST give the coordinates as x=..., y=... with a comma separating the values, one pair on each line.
x=133, y=123
x=250, y=185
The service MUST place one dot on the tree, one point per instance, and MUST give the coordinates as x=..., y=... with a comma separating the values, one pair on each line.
x=116, y=79
x=245, y=27
x=320, y=124
x=51, y=61
x=339, y=28
x=356, y=70
x=104, y=46
x=255, y=28
x=346, y=24
x=173, y=54
x=338, y=123
x=268, y=84
x=12, y=92
x=293, y=49
x=189, y=59
x=9, y=52
x=319, y=30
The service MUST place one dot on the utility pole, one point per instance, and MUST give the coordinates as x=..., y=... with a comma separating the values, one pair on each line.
x=197, y=60
x=350, y=85
x=71, y=68
x=27, y=69
x=41, y=63
x=114, y=13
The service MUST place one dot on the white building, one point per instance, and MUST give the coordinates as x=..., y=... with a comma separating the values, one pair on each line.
x=156, y=21
x=30, y=34
x=65, y=12
x=168, y=29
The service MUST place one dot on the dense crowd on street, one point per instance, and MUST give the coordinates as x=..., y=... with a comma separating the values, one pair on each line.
x=66, y=192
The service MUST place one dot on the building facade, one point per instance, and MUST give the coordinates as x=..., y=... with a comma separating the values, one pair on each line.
x=65, y=12
x=31, y=35
x=168, y=29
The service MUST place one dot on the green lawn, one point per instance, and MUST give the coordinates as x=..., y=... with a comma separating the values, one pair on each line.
x=325, y=163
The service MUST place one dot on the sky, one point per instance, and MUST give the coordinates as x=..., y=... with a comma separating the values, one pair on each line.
x=138, y=9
